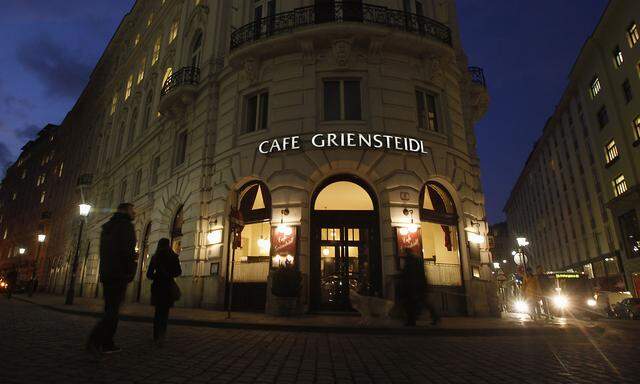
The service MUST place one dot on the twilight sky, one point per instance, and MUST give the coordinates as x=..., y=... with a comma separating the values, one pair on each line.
x=526, y=48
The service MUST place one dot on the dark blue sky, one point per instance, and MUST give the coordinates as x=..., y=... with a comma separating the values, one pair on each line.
x=526, y=48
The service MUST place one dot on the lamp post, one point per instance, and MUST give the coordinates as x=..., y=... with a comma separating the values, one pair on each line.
x=32, y=286
x=84, y=212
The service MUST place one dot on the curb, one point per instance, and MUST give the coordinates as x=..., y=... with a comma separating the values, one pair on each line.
x=381, y=331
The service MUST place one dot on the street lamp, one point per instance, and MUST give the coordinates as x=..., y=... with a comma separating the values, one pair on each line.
x=84, y=212
x=522, y=241
x=33, y=284
x=22, y=251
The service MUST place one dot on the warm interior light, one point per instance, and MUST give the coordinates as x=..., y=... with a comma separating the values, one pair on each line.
x=42, y=238
x=214, y=237
x=289, y=259
x=591, y=302
x=264, y=244
x=325, y=251
x=84, y=209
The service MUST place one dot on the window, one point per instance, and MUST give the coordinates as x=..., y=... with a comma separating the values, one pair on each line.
x=610, y=151
x=167, y=75
x=619, y=185
x=636, y=127
x=156, y=51
x=132, y=126
x=631, y=233
x=257, y=112
x=127, y=91
x=42, y=196
x=137, y=182
x=342, y=100
x=181, y=148
x=603, y=117
x=123, y=191
x=255, y=207
x=196, y=50
x=174, y=32
x=595, y=87
x=60, y=169
x=136, y=40
x=155, y=168
x=176, y=231
x=114, y=103
x=626, y=90
x=633, y=34
x=618, y=59
x=427, y=114
x=141, y=71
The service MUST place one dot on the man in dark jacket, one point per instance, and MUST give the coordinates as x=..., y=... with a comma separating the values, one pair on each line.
x=117, y=269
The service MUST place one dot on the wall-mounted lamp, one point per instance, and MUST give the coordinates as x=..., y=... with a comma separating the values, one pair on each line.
x=41, y=237
x=214, y=237
x=22, y=251
x=411, y=227
x=475, y=238
x=282, y=227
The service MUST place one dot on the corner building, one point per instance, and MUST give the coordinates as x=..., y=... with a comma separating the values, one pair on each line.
x=341, y=132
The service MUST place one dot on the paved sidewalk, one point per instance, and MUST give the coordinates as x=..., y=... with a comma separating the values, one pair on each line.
x=462, y=326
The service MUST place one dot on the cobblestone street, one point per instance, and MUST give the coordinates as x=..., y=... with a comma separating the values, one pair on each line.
x=44, y=346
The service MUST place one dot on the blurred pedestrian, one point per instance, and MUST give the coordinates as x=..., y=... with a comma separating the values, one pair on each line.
x=163, y=268
x=117, y=269
x=413, y=290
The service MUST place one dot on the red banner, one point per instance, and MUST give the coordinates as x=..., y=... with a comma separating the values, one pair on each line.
x=408, y=240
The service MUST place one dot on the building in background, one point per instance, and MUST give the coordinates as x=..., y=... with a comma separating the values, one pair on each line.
x=577, y=196
x=340, y=133
x=501, y=245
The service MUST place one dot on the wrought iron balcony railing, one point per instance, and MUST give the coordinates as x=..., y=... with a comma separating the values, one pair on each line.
x=339, y=12
x=184, y=76
x=477, y=76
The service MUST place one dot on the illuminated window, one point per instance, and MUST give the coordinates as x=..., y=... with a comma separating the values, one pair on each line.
x=167, y=75
x=342, y=100
x=603, y=117
x=618, y=59
x=156, y=51
x=173, y=33
x=181, y=148
x=626, y=91
x=150, y=20
x=610, y=151
x=427, y=114
x=136, y=40
x=141, y=71
x=343, y=196
x=619, y=185
x=42, y=196
x=595, y=87
x=633, y=34
x=127, y=91
x=257, y=112
x=254, y=255
x=636, y=127
x=60, y=169
x=114, y=103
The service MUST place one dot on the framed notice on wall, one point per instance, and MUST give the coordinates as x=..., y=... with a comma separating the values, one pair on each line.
x=284, y=241
x=408, y=240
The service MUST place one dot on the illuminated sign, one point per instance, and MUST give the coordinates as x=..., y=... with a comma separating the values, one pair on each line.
x=567, y=275
x=344, y=140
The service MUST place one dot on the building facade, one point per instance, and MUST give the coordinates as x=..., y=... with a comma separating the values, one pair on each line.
x=576, y=198
x=339, y=134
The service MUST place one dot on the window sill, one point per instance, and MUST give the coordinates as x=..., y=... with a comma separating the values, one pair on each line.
x=609, y=164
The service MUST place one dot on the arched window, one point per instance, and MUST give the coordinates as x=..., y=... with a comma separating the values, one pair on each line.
x=132, y=126
x=196, y=50
x=343, y=196
x=439, y=232
x=147, y=110
x=176, y=230
x=255, y=203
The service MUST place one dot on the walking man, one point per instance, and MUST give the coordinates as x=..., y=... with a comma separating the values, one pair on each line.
x=117, y=269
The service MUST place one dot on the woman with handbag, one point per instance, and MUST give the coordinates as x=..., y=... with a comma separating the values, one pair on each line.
x=163, y=267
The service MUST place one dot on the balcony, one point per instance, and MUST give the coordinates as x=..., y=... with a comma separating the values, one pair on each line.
x=340, y=12
x=477, y=76
x=478, y=94
x=179, y=91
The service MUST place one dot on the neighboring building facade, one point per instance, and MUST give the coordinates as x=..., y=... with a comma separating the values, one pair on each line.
x=341, y=133
x=576, y=198
x=501, y=244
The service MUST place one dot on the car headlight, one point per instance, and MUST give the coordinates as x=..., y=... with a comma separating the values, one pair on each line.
x=560, y=301
x=591, y=303
x=521, y=306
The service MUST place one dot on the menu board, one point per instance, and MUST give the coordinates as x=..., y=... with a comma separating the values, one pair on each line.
x=407, y=240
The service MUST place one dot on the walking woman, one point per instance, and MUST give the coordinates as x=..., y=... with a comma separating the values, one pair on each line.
x=163, y=267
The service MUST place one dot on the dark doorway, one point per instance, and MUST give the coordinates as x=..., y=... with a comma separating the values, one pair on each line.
x=345, y=246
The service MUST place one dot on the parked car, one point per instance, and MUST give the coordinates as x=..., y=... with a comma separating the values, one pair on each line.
x=628, y=308
x=606, y=302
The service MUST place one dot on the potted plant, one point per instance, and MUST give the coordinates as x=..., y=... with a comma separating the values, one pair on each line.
x=286, y=282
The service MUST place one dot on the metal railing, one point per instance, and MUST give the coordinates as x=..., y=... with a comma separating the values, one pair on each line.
x=339, y=12
x=477, y=76
x=184, y=76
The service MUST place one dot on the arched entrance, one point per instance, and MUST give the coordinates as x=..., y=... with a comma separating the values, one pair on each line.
x=345, y=246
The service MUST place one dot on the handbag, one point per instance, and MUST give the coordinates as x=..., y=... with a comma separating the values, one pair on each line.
x=174, y=291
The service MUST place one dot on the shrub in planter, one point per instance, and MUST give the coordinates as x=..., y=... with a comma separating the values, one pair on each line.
x=286, y=281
